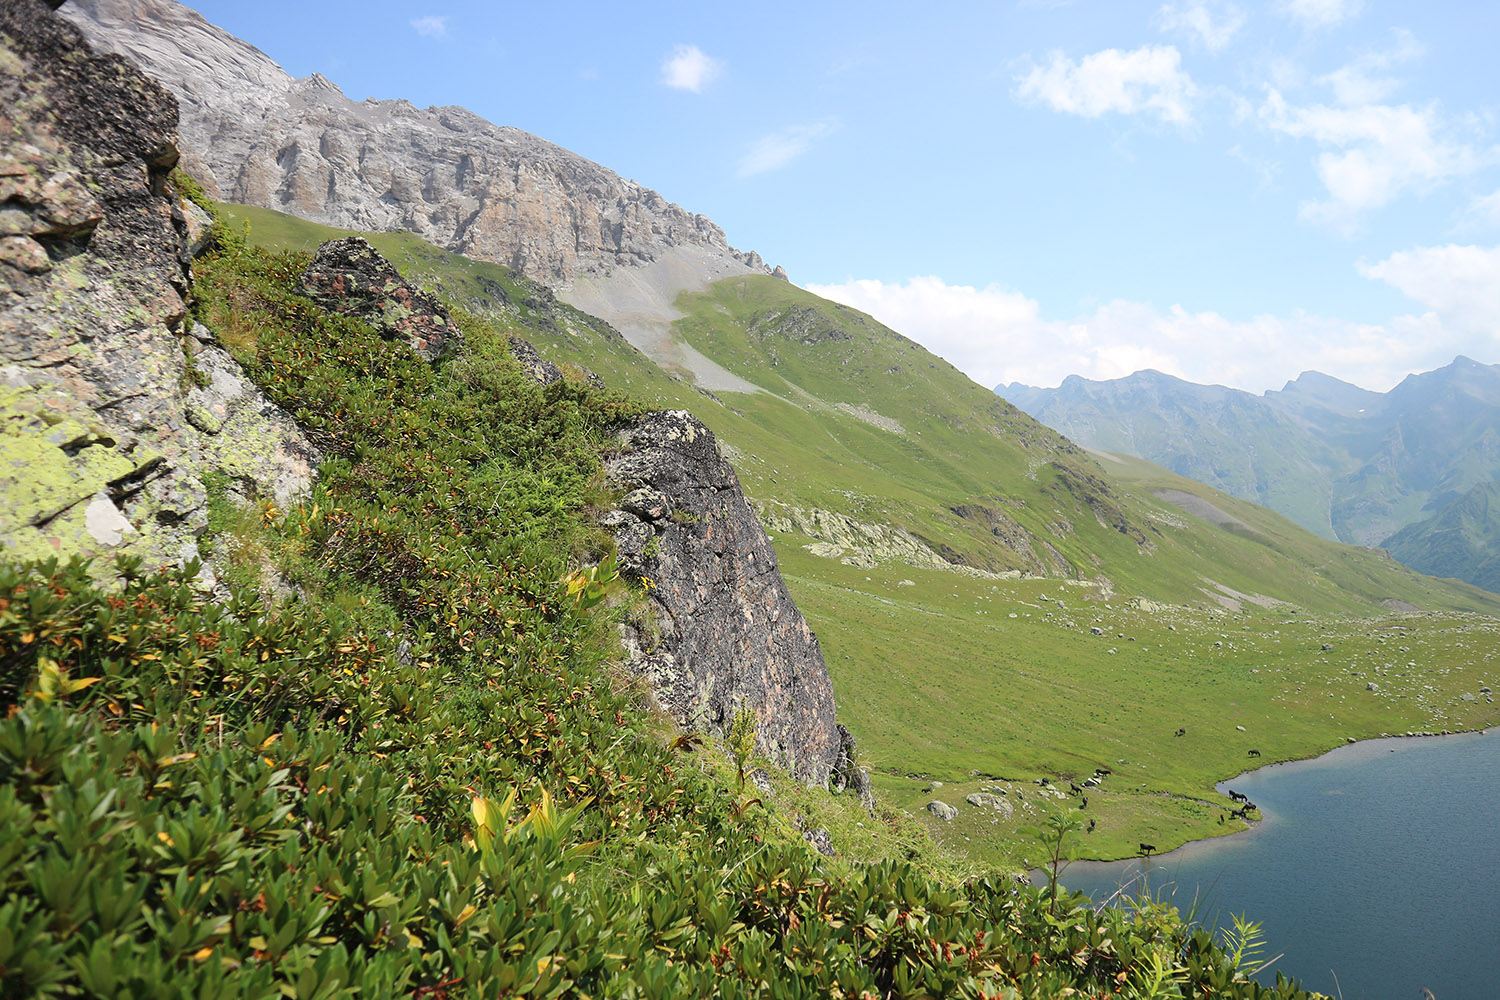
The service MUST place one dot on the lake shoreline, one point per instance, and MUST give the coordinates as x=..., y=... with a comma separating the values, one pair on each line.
x=1363, y=871
x=1255, y=825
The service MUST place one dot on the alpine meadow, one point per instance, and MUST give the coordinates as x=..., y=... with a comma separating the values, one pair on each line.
x=434, y=565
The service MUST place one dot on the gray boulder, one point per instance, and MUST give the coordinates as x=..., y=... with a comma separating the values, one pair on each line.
x=721, y=631
x=349, y=276
x=820, y=841
x=942, y=810
x=986, y=800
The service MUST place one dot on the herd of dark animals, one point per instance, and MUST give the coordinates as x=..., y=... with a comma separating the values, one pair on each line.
x=1147, y=850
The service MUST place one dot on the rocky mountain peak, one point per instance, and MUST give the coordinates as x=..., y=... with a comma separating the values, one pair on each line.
x=255, y=135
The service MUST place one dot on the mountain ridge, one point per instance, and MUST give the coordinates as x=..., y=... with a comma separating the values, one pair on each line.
x=1342, y=461
x=262, y=137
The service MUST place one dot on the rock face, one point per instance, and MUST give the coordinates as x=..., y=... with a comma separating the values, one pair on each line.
x=722, y=630
x=111, y=409
x=302, y=147
x=349, y=276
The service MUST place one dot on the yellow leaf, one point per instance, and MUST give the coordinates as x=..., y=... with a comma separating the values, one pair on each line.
x=465, y=914
x=80, y=684
x=203, y=953
x=269, y=740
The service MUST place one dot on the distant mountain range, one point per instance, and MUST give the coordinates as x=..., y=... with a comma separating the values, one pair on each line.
x=1412, y=469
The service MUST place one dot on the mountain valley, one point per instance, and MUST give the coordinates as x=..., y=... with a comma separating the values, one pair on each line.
x=412, y=633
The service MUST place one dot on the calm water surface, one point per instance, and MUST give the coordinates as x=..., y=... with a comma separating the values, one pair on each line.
x=1376, y=870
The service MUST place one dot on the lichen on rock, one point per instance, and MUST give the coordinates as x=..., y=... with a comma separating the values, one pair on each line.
x=104, y=445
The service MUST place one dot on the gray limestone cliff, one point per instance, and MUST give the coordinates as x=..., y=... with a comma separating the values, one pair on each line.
x=300, y=146
x=722, y=631
x=113, y=405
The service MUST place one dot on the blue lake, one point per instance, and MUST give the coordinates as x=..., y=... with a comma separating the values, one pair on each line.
x=1376, y=871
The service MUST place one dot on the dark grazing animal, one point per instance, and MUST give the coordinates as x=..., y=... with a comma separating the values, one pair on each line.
x=1181, y=732
x=1147, y=850
x=1254, y=753
x=1235, y=796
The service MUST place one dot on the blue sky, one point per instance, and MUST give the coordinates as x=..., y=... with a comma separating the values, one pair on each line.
x=1231, y=192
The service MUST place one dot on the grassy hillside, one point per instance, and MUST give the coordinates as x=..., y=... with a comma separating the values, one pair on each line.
x=415, y=772
x=1462, y=540
x=910, y=480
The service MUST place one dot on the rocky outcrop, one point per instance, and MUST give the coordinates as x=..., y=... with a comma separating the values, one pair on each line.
x=301, y=146
x=350, y=277
x=721, y=631
x=111, y=408
x=989, y=800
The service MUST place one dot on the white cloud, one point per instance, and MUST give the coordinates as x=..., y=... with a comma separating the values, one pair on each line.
x=1209, y=23
x=430, y=27
x=1377, y=152
x=687, y=68
x=775, y=151
x=1364, y=80
x=1460, y=285
x=1319, y=13
x=997, y=336
x=1148, y=79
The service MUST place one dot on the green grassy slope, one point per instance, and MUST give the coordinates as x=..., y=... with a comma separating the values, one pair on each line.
x=417, y=772
x=1462, y=540
x=935, y=678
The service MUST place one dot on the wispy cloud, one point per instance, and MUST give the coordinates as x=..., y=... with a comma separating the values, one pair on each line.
x=1374, y=153
x=1365, y=80
x=1484, y=212
x=430, y=27
x=688, y=68
x=998, y=335
x=1319, y=13
x=1147, y=80
x=775, y=151
x=1211, y=24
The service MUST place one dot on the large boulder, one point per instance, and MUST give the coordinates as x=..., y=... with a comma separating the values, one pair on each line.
x=721, y=631
x=942, y=810
x=349, y=276
x=99, y=373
